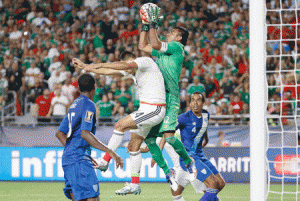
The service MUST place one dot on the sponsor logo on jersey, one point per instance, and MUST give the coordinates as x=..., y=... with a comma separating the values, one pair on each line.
x=138, y=114
x=89, y=116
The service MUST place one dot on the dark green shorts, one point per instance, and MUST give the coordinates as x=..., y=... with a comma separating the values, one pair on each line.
x=170, y=121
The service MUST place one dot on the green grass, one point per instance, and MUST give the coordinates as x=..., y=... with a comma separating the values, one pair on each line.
x=52, y=191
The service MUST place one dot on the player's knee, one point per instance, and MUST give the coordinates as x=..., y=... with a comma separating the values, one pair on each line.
x=133, y=146
x=119, y=127
x=211, y=182
x=171, y=140
x=221, y=184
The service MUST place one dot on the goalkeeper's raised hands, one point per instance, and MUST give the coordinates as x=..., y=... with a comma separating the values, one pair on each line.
x=154, y=12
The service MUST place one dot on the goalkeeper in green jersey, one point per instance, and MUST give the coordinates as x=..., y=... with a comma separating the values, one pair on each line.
x=170, y=57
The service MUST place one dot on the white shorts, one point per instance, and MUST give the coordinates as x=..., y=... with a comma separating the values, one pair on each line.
x=182, y=178
x=146, y=117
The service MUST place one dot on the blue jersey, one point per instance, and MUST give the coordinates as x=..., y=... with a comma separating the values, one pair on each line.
x=81, y=116
x=192, y=130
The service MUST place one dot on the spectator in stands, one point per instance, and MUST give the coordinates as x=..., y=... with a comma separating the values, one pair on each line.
x=123, y=94
x=31, y=73
x=3, y=86
x=104, y=107
x=42, y=106
x=210, y=86
x=184, y=96
x=211, y=108
x=196, y=86
x=55, y=78
x=221, y=141
x=55, y=66
x=121, y=114
x=130, y=108
x=69, y=90
x=54, y=32
x=59, y=106
x=236, y=106
x=14, y=75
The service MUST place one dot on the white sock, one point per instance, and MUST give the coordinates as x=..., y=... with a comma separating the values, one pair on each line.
x=135, y=165
x=115, y=140
x=178, y=198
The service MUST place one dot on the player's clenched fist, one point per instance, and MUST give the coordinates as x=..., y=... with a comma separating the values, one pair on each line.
x=78, y=64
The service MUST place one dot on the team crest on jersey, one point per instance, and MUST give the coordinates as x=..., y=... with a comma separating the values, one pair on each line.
x=89, y=116
x=194, y=123
x=95, y=187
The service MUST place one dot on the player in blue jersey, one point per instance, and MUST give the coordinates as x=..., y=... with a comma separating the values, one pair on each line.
x=76, y=133
x=193, y=132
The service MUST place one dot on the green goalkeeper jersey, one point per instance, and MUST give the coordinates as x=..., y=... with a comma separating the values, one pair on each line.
x=169, y=60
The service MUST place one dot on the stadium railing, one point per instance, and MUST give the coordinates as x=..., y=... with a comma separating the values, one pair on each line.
x=9, y=111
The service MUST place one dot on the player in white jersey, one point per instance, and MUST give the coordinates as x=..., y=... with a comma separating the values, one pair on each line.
x=151, y=92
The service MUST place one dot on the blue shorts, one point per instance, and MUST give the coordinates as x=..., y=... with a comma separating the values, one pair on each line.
x=204, y=167
x=81, y=180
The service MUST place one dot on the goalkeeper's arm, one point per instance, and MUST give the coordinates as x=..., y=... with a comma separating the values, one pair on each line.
x=154, y=41
x=143, y=43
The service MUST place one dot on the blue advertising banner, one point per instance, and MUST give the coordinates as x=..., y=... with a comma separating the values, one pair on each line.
x=44, y=164
x=232, y=163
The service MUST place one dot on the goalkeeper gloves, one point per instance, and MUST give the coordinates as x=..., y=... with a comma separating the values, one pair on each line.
x=154, y=12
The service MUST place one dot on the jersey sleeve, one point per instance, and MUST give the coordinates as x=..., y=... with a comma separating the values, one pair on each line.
x=143, y=62
x=180, y=122
x=64, y=125
x=88, y=114
x=171, y=48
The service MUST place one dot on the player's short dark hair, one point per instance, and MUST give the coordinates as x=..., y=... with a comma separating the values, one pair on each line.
x=184, y=34
x=202, y=95
x=124, y=56
x=86, y=82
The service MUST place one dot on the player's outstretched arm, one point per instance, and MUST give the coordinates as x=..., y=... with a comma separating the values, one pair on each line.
x=119, y=65
x=61, y=137
x=205, y=140
x=94, y=142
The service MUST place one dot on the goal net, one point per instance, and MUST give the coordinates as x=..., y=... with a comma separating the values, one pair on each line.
x=282, y=70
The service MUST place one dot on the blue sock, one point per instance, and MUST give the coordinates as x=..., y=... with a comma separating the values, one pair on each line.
x=210, y=195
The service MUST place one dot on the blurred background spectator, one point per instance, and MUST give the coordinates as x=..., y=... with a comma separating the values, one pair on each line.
x=39, y=40
x=221, y=141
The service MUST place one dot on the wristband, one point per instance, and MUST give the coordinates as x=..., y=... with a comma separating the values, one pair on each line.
x=145, y=27
x=153, y=25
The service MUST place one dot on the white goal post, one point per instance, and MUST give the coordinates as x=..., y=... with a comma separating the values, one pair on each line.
x=258, y=99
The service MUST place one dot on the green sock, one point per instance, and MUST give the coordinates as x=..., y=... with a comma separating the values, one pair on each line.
x=157, y=155
x=179, y=148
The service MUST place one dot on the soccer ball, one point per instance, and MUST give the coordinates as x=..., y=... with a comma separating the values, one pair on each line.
x=144, y=12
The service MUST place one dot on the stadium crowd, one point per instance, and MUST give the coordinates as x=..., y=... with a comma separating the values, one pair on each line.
x=283, y=68
x=40, y=38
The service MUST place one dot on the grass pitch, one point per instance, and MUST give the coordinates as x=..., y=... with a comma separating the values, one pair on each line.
x=52, y=191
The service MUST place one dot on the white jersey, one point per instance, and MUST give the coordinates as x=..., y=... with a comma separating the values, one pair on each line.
x=150, y=82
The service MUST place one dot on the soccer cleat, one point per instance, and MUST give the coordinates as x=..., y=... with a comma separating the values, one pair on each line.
x=129, y=188
x=191, y=167
x=171, y=179
x=102, y=165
